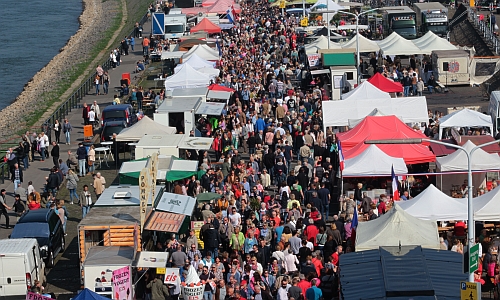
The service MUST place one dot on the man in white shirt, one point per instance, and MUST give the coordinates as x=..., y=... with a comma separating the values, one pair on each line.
x=92, y=117
x=235, y=217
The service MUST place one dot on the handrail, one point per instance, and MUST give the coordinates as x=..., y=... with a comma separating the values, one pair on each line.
x=65, y=108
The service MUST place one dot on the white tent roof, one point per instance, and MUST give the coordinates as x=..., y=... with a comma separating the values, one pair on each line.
x=365, y=45
x=487, y=206
x=373, y=161
x=187, y=77
x=375, y=112
x=395, y=228
x=432, y=204
x=430, y=42
x=321, y=43
x=141, y=128
x=398, y=45
x=409, y=110
x=326, y=4
x=210, y=71
x=203, y=51
x=365, y=90
x=465, y=118
x=457, y=161
x=196, y=62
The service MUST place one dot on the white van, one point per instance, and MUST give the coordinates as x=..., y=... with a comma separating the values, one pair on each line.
x=20, y=266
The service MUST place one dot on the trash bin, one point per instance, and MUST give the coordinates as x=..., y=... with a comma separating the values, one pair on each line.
x=126, y=76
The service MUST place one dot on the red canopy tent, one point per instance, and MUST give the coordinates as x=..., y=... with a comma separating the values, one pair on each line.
x=217, y=87
x=385, y=84
x=207, y=26
x=382, y=128
x=219, y=7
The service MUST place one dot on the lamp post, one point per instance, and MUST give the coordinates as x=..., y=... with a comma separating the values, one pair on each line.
x=470, y=211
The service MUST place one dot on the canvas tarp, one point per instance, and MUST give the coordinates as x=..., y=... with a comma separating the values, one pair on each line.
x=465, y=118
x=487, y=206
x=395, y=228
x=384, y=84
x=457, y=161
x=373, y=162
x=432, y=204
x=365, y=90
x=377, y=128
x=203, y=51
x=141, y=128
x=365, y=45
x=196, y=62
x=187, y=77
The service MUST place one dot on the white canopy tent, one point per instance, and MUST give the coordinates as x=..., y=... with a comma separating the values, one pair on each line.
x=365, y=45
x=187, y=77
x=196, y=62
x=326, y=4
x=409, y=110
x=203, y=51
x=209, y=71
x=375, y=112
x=321, y=43
x=398, y=45
x=432, y=204
x=457, y=161
x=430, y=42
x=395, y=228
x=465, y=118
x=373, y=162
x=141, y=128
x=365, y=90
x=487, y=206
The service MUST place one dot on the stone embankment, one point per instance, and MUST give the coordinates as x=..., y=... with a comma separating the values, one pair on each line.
x=97, y=16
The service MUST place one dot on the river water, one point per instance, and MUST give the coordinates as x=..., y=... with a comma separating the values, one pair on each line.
x=32, y=33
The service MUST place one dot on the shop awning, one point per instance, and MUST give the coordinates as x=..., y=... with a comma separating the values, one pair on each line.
x=165, y=222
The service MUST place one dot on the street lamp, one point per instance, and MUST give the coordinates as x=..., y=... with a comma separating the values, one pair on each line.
x=470, y=211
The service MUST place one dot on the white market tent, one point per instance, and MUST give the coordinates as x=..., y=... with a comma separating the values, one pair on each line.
x=395, y=228
x=430, y=42
x=321, y=43
x=172, y=54
x=187, y=77
x=365, y=90
x=373, y=162
x=375, y=112
x=141, y=128
x=457, y=161
x=203, y=51
x=465, y=118
x=388, y=40
x=487, y=206
x=409, y=110
x=326, y=4
x=398, y=45
x=209, y=71
x=365, y=45
x=432, y=204
x=196, y=62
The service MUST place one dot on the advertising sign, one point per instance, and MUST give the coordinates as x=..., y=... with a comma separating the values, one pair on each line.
x=313, y=59
x=144, y=183
x=121, y=284
x=33, y=296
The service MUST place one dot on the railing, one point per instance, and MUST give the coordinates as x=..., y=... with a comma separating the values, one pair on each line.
x=67, y=106
x=485, y=30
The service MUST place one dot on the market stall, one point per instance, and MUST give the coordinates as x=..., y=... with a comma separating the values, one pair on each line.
x=465, y=118
x=373, y=162
x=364, y=91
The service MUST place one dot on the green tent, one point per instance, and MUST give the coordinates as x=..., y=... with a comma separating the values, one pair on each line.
x=130, y=171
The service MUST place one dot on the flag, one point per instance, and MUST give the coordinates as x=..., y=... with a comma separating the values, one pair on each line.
x=341, y=157
x=230, y=15
x=354, y=222
x=233, y=11
x=218, y=47
x=395, y=192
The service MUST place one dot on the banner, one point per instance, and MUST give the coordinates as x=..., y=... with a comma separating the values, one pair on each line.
x=172, y=276
x=144, y=183
x=121, y=284
x=153, y=174
x=313, y=59
x=34, y=296
x=193, y=292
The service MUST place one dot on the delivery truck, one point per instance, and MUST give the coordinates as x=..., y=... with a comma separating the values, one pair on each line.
x=451, y=67
x=399, y=19
x=431, y=16
x=170, y=26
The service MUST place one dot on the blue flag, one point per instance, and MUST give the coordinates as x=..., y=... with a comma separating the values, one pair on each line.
x=218, y=47
x=354, y=222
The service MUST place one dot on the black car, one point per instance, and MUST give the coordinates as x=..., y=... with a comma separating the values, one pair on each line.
x=110, y=128
x=46, y=227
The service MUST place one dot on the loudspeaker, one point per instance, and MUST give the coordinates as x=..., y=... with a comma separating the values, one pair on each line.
x=446, y=66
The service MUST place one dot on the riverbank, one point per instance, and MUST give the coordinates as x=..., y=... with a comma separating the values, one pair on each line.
x=96, y=18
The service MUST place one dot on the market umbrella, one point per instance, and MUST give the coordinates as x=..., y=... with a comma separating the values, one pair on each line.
x=203, y=197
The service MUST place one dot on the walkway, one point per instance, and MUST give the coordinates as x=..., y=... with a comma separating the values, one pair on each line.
x=39, y=170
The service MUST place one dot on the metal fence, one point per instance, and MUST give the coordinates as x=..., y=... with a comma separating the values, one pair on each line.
x=67, y=106
x=485, y=30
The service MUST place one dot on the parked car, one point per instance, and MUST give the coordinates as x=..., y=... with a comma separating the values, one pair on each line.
x=46, y=227
x=121, y=112
x=110, y=128
x=21, y=265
